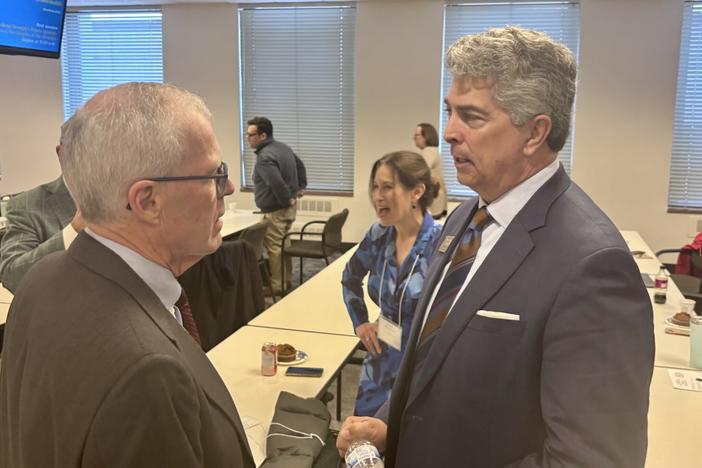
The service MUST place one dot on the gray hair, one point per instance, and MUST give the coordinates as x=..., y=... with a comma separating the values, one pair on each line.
x=124, y=134
x=529, y=72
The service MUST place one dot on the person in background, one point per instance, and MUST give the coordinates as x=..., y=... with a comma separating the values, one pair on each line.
x=101, y=365
x=39, y=221
x=395, y=252
x=427, y=140
x=279, y=178
x=533, y=338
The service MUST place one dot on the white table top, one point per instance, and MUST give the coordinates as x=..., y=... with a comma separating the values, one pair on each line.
x=318, y=306
x=238, y=220
x=672, y=351
x=674, y=418
x=238, y=360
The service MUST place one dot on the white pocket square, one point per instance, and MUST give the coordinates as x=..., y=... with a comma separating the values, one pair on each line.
x=498, y=315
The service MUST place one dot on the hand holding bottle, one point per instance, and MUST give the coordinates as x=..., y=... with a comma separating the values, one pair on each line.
x=357, y=428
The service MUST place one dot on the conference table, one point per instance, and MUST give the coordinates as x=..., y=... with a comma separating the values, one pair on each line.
x=317, y=306
x=235, y=221
x=672, y=351
x=238, y=361
x=674, y=415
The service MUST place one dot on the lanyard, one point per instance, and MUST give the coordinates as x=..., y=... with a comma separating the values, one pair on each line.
x=402, y=295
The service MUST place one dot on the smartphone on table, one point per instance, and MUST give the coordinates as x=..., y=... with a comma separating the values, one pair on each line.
x=304, y=371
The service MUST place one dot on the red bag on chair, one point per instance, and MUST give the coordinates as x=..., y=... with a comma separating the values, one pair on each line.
x=684, y=266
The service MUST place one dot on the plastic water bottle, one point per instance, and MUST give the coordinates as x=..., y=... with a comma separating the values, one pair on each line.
x=363, y=454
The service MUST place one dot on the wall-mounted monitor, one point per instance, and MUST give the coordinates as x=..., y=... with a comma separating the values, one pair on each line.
x=31, y=27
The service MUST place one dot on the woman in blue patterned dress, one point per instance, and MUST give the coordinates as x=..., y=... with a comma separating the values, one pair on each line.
x=395, y=253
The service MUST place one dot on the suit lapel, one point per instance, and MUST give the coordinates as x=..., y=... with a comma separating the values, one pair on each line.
x=506, y=256
x=437, y=265
x=101, y=260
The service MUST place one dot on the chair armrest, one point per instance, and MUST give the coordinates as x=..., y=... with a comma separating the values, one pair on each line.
x=667, y=251
x=309, y=223
x=291, y=233
x=693, y=296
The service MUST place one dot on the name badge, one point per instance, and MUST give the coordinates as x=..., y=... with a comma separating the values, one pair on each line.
x=390, y=332
x=445, y=243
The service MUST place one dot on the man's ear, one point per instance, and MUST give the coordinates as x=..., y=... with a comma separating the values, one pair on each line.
x=539, y=129
x=144, y=202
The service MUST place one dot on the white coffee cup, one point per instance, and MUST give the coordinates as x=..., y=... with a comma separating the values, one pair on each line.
x=687, y=305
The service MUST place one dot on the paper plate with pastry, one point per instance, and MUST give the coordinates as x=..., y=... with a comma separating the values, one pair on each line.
x=289, y=356
x=681, y=319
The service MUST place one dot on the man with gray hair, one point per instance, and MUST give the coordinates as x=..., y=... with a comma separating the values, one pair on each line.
x=532, y=344
x=101, y=365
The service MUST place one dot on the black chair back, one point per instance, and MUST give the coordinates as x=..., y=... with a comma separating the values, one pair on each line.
x=332, y=231
x=254, y=235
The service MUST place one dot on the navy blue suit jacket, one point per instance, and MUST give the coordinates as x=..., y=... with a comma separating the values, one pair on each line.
x=567, y=384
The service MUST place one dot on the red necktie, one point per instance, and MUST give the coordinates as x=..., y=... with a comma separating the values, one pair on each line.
x=187, y=315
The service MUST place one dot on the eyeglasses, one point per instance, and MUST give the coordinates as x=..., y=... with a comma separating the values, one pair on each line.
x=221, y=176
x=251, y=134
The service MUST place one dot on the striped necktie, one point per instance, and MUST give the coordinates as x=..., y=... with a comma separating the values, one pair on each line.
x=187, y=315
x=461, y=263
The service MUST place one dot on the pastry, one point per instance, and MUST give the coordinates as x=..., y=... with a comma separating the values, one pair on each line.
x=681, y=318
x=286, y=353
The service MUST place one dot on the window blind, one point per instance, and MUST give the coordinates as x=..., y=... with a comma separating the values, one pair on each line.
x=685, y=189
x=559, y=19
x=297, y=69
x=104, y=48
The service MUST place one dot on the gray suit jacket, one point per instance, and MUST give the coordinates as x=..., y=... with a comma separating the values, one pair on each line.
x=567, y=384
x=97, y=373
x=35, y=220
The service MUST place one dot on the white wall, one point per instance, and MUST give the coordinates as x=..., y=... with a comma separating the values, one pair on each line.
x=31, y=112
x=624, y=115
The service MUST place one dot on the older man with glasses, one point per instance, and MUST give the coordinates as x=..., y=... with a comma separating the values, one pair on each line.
x=101, y=365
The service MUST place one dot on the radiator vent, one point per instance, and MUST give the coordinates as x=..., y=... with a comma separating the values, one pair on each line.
x=316, y=206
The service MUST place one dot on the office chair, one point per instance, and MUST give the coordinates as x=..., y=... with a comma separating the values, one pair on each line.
x=329, y=243
x=690, y=286
x=254, y=235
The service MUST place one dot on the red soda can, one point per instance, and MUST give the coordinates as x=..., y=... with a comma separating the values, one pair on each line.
x=269, y=358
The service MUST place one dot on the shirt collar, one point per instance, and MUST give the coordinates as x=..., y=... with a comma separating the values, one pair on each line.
x=505, y=208
x=158, y=278
x=264, y=143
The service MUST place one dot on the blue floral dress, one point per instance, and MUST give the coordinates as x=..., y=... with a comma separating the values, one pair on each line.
x=376, y=256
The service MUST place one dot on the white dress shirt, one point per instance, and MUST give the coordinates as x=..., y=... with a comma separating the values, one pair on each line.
x=503, y=210
x=159, y=279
